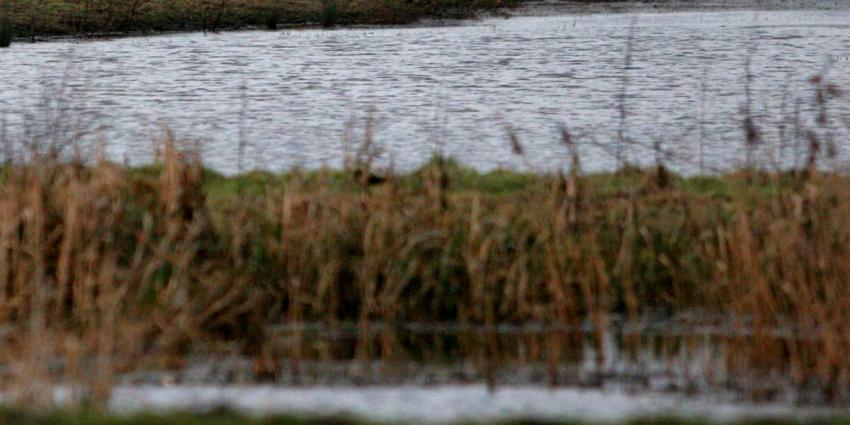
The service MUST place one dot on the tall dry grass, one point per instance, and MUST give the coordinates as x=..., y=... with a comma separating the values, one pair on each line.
x=105, y=269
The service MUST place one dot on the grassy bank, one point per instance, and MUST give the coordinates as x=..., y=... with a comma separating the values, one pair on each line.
x=35, y=18
x=111, y=268
x=226, y=418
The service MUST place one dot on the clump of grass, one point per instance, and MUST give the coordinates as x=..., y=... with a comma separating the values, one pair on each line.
x=5, y=35
x=6, y=31
x=329, y=14
x=272, y=21
x=128, y=266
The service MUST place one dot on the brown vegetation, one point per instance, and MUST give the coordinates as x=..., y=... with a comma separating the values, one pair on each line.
x=109, y=268
x=32, y=18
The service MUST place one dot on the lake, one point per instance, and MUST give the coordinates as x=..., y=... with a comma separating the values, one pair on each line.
x=647, y=84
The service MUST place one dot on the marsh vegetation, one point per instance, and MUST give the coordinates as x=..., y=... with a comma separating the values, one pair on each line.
x=731, y=283
x=39, y=18
x=6, y=30
x=111, y=268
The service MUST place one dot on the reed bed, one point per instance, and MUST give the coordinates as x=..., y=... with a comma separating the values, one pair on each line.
x=106, y=269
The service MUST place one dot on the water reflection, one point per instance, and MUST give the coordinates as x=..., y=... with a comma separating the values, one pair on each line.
x=660, y=356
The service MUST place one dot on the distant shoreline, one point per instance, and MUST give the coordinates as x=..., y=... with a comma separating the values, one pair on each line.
x=548, y=7
x=317, y=15
x=117, y=19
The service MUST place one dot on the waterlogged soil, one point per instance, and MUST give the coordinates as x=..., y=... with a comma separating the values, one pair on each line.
x=450, y=373
x=416, y=372
x=651, y=85
x=660, y=357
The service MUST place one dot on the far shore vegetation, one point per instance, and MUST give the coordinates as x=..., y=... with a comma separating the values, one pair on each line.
x=41, y=18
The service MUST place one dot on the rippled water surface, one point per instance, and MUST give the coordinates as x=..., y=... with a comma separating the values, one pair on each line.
x=291, y=97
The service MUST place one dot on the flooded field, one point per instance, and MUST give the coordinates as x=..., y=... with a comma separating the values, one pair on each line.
x=701, y=288
x=452, y=373
x=455, y=404
x=669, y=84
x=682, y=356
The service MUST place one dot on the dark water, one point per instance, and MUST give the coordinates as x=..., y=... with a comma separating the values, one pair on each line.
x=300, y=97
x=613, y=371
x=438, y=372
x=657, y=356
